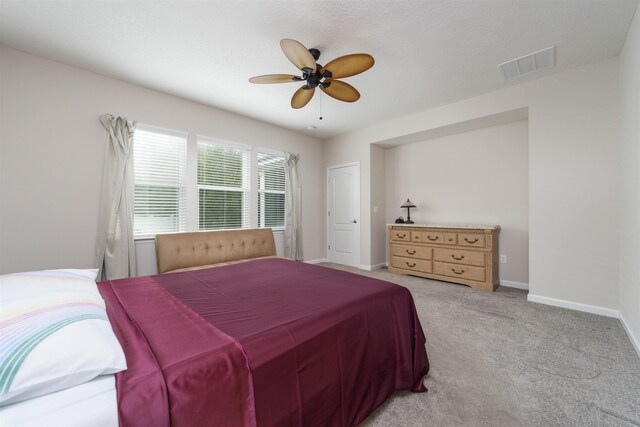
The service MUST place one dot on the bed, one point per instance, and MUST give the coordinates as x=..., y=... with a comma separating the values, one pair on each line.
x=88, y=404
x=266, y=341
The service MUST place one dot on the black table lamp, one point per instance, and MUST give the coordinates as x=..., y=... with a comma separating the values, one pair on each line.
x=408, y=204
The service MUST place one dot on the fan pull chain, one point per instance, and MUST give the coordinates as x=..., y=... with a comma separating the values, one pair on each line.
x=321, y=107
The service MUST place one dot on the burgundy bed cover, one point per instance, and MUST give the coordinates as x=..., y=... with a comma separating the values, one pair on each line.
x=268, y=342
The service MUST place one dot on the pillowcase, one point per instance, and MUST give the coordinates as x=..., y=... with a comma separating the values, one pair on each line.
x=54, y=333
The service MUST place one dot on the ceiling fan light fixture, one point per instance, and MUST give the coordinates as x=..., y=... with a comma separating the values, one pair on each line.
x=315, y=75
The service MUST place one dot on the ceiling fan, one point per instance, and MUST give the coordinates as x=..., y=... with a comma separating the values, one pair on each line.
x=315, y=75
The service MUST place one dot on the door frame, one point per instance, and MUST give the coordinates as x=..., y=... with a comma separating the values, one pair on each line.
x=357, y=191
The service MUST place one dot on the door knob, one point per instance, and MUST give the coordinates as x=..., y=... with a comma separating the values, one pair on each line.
x=354, y=221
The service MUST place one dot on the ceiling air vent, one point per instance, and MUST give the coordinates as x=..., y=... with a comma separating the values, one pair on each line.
x=545, y=58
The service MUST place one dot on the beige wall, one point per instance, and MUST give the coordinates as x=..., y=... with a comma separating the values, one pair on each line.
x=51, y=156
x=378, y=206
x=573, y=175
x=477, y=177
x=629, y=225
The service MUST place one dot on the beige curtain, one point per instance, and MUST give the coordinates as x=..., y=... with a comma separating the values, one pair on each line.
x=115, y=250
x=292, y=208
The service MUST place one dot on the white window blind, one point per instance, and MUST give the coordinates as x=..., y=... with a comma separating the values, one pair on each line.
x=160, y=164
x=223, y=185
x=270, y=190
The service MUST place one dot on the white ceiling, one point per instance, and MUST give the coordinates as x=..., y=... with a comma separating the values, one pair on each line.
x=427, y=53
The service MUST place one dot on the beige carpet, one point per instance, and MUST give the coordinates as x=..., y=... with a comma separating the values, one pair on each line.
x=498, y=360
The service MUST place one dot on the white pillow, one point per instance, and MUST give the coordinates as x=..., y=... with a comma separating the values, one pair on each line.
x=54, y=333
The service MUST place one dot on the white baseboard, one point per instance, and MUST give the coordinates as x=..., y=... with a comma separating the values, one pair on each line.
x=316, y=261
x=635, y=342
x=371, y=267
x=608, y=312
x=517, y=285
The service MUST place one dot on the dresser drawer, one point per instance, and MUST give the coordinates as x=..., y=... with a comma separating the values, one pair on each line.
x=411, y=251
x=411, y=264
x=401, y=236
x=416, y=237
x=432, y=237
x=471, y=240
x=450, y=239
x=459, y=256
x=460, y=271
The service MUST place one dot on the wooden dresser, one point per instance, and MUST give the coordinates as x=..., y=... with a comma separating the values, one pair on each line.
x=459, y=254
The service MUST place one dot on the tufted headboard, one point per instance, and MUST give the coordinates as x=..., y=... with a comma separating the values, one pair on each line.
x=185, y=251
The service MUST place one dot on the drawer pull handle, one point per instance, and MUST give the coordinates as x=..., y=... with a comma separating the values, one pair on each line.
x=433, y=239
x=401, y=237
x=411, y=264
x=410, y=252
x=456, y=258
x=469, y=241
x=457, y=272
x=451, y=240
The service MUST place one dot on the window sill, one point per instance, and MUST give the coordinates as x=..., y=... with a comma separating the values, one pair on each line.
x=143, y=239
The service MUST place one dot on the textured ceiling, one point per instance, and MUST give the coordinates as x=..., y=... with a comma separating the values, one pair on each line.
x=428, y=53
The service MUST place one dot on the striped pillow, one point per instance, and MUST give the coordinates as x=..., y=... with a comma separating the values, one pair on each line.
x=54, y=333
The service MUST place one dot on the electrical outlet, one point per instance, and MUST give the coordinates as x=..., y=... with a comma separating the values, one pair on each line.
x=503, y=259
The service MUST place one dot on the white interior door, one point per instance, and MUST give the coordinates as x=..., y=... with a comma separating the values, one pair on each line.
x=343, y=214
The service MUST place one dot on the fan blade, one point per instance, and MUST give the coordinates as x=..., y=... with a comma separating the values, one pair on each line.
x=302, y=97
x=275, y=78
x=341, y=91
x=298, y=54
x=349, y=65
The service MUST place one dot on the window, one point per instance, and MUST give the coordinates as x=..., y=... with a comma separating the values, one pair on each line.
x=223, y=185
x=160, y=163
x=270, y=190
x=234, y=185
